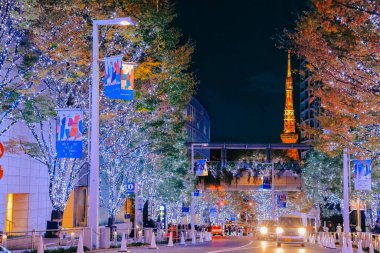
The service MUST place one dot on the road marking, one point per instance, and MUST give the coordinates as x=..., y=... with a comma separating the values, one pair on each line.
x=244, y=247
x=231, y=249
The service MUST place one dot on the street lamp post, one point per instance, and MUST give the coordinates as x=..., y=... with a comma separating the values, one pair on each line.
x=93, y=212
x=346, y=216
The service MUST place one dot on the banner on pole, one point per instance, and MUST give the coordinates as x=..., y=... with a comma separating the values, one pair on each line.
x=69, y=134
x=163, y=216
x=266, y=183
x=127, y=81
x=185, y=209
x=201, y=168
x=363, y=171
x=118, y=78
x=212, y=212
x=281, y=200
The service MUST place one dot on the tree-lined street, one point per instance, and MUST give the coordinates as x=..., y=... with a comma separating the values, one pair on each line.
x=123, y=121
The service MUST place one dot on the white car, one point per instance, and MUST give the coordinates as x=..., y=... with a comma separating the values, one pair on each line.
x=291, y=230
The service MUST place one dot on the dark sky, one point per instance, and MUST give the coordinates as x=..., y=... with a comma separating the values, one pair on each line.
x=240, y=70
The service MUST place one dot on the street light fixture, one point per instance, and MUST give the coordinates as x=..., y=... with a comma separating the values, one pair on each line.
x=93, y=213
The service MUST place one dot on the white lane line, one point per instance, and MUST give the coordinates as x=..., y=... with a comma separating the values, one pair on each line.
x=231, y=249
x=244, y=247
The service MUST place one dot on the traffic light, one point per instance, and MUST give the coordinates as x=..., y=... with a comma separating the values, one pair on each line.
x=250, y=203
x=220, y=203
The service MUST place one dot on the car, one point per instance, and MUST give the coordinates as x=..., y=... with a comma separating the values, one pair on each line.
x=4, y=250
x=266, y=230
x=216, y=230
x=291, y=230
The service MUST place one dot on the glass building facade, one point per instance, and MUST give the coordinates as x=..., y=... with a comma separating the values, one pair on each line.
x=309, y=106
x=198, y=127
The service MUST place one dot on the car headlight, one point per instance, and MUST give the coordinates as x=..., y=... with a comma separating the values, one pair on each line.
x=263, y=230
x=279, y=230
x=302, y=231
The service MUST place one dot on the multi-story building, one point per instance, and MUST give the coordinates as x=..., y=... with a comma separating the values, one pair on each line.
x=24, y=187
x=309, y=106
x=198, y=127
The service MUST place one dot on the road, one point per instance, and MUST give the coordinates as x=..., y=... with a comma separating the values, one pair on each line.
x=234, y=245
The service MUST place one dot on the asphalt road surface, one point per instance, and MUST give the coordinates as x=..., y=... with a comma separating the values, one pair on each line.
x=234, y=245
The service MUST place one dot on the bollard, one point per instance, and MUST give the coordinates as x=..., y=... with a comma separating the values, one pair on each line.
x=123, y=246
x=182, y=242
x=80, y=244
x=360, y=246
x=153, y=242
x=349, y=246
x=40, y=247
x=371, y=249
x=201, y=237
x=170, y=243
x=193, y=239
x=344, y=246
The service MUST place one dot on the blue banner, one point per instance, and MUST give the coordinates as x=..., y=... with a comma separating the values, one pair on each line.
x=281, y=200
x=163, y=216
x=363, y=171
x=69, y=134
x=185, y=209
x=266, y=183
x=201, y=168
x=130, y=187
x=118, y=79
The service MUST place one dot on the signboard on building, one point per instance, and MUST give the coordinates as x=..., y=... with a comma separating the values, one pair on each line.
x=69, y=134
x=201, y=168
x=363, y=171
x=281, y=200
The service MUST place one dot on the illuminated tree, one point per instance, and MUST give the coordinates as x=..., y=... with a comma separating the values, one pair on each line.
x=15, y=60
x=323, y=182
x=339, y=41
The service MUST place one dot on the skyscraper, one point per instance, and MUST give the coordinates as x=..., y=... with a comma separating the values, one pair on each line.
x=309, y=106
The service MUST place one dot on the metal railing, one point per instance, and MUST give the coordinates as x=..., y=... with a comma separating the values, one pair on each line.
x=53, y=238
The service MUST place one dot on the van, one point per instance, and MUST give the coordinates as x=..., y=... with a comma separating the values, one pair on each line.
x=291, y=229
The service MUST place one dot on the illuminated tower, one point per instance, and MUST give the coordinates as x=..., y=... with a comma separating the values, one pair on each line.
x=289, y=134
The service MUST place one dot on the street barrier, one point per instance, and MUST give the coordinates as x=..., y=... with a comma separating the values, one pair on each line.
x=346, y=242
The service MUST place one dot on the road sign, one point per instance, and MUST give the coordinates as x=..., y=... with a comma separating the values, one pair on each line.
x=1, y=172
x=130, y=187
x=196, y=193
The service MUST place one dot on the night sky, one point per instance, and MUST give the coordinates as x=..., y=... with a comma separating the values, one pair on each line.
x=240, y=70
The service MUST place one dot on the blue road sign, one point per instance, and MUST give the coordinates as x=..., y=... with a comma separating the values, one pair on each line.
x=196, y=193
x=130, y=187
